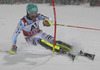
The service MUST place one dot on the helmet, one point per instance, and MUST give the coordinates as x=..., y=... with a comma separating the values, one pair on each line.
x=32, y=9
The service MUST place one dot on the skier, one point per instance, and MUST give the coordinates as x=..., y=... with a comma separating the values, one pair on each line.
x=29, y=25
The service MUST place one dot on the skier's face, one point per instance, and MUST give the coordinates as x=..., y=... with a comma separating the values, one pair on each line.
x=32, y=14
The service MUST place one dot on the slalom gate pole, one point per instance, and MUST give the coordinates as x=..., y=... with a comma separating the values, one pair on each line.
x=54, y=25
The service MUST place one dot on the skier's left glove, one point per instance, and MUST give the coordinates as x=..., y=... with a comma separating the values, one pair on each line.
x=13, y=50
x=46, y=23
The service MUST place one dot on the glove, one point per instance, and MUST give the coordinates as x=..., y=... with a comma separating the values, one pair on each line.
x=46, y=23
x=13, y=50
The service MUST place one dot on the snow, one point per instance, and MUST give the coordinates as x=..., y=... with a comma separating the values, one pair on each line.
x=31, y=57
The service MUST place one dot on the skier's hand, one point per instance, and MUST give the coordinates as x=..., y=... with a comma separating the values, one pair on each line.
x=46, y=23
x=13, y=50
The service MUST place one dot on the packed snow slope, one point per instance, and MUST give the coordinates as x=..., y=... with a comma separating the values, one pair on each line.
x=30, y=57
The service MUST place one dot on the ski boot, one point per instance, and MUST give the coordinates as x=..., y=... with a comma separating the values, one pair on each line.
x=88, y=55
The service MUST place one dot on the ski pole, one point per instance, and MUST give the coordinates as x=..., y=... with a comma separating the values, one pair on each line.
x=73, y=26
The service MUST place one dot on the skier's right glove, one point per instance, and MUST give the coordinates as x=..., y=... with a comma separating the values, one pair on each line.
x=46, y=23
x=13, y=50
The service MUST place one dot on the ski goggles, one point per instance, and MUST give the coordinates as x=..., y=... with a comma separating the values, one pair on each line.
x=32, y=13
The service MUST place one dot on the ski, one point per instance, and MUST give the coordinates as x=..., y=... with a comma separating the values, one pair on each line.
x=72, y=56
x=88, y=55
x=81, y=53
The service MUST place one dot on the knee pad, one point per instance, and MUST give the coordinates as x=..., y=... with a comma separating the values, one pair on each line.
x=48, y=45
x=64, y=45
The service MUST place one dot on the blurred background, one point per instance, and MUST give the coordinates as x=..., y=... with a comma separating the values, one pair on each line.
x=57, y=2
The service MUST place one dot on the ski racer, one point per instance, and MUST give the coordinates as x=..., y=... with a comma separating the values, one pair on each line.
x=29, y=25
